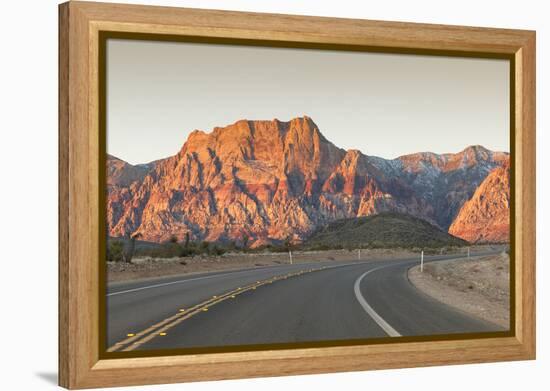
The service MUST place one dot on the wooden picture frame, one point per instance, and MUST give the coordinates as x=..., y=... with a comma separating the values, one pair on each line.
x=81, y=364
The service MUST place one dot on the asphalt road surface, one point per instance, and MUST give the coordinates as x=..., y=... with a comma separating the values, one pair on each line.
x=321, y=301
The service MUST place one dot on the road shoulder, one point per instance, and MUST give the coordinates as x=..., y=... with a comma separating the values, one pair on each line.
x=479, y=286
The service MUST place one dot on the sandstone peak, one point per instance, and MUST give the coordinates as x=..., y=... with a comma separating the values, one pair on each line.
x=272, y=179
x=486, y=216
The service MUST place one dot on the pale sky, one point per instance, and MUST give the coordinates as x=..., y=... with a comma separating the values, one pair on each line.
x=385, y=105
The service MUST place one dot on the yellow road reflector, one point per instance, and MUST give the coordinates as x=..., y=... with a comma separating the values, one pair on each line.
x=205, y=309
x=182, y=310
x=162, y=334
x=130, y=335
x=214, y=297
x=232, y=296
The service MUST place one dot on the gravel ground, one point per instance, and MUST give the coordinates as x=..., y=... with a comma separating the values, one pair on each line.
x=156, y=267
x=141, y=268
x=479, y=286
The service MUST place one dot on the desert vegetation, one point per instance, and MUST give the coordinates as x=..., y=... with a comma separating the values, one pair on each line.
x=385, y=230
x=382, y=231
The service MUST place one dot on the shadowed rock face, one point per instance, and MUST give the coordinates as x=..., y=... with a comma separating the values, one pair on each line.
x=446, y=181
x=274, y=180
x=486, y=216
x=120, y=173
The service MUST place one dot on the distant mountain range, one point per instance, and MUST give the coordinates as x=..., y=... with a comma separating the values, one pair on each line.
x=273, y=181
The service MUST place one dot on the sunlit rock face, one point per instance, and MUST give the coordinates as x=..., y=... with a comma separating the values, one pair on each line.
x=486, y=216
x=273, y=181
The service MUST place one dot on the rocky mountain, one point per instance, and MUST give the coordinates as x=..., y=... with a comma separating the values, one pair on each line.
x=274, y=181
x=486, y=216
x=446, y=181
x=120, y=173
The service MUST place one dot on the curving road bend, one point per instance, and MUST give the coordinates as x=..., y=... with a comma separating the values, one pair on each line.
x=321, y=301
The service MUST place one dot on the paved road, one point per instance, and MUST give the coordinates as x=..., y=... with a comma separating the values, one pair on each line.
x=321, y=301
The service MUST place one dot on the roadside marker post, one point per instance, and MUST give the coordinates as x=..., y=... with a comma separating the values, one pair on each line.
x=468, y=253
x=422, y=261
x=359, y=255
x=290, y=256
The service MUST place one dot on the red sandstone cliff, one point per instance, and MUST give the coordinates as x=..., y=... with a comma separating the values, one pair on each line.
x=271, y=180
x=486, y=216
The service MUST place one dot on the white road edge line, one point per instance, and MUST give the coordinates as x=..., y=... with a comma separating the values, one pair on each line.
x=370, y=311
x=159, y=285
x=217, y=275
x=178, y=282
x=197, y=279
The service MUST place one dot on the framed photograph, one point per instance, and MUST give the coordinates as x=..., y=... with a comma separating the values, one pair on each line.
x=247, y=195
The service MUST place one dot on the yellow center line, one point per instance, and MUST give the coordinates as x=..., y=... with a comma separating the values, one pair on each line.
x=136, y=336
x=175, y=322
x=137, y=339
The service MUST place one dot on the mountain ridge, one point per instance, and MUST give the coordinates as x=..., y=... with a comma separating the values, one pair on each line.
x=270, y=180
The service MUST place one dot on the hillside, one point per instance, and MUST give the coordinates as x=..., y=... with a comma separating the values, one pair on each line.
x=387, y=230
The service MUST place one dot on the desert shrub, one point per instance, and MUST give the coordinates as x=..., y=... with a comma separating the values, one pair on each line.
x=186, y=252
x=218, y=250
x=169, y=250
x=288, y=243
x=115, y=251
x=245, y=242
x=165, y=250
x=278, y=249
